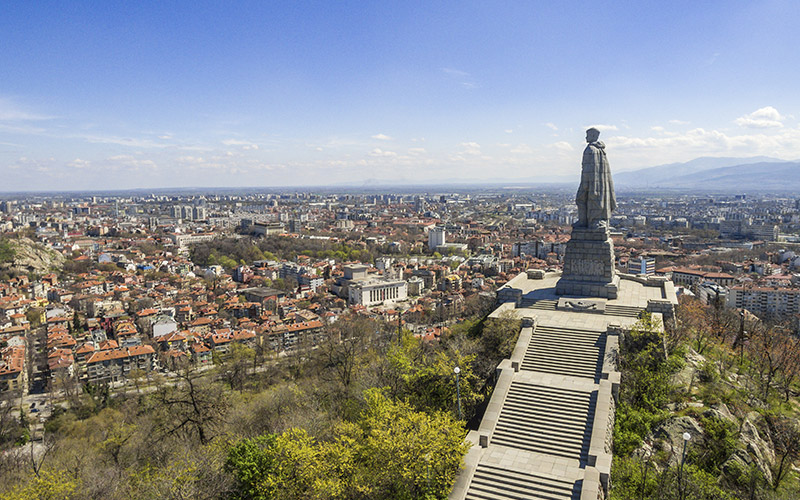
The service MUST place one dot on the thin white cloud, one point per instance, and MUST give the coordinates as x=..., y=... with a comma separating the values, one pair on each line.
x=462, y=77
x=471, y=148
x=603, y=128
x=378, y=152
x=551, y=126
x=563, y=146
x=119, y=141
x=509, y=131
x=79, y=164
x=381, y=137
x=766, y=117
x=678, y=122
x=455, y=72
x=522, y=149
x=246, y=145
x=13, y=112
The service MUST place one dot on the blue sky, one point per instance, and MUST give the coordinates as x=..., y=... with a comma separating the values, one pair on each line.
x=169, y=94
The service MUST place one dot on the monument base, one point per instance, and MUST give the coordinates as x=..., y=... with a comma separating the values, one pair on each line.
x=589, y=265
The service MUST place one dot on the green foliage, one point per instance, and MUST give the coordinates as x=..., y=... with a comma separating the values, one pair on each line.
x=58, y=485
x=7, y=251
x=426, y=378
x=720, y=443
x=646, y=370
x=390, y=451
x=645, y=387
x=670, y=484
x=708, y=372
x=498, y=337
x=631, y=425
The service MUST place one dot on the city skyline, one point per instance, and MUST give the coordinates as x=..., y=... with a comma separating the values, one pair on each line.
x=131, y=96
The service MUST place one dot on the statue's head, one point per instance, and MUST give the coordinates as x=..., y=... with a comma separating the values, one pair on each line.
x=592, y=135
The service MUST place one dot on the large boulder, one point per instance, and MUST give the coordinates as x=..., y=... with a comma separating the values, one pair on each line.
x=758, y=444
x=683, y=379
x=669, y=435
x=721, y=412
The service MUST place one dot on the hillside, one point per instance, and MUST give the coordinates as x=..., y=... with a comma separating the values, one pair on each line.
x=670, y=175
x=23, y=255
x=778, y=177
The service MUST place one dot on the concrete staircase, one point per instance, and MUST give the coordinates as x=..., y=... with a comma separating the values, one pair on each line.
x=610, y=309
x=565, y=351
x=494, y=483
x=624, y=311
x=548, y=420
x=542, y=304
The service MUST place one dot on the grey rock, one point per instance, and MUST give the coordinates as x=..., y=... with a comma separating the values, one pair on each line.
x=670, y=435
x=32, y=257
x=721, y=412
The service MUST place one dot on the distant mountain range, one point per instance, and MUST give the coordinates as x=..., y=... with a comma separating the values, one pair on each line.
x=755, y=174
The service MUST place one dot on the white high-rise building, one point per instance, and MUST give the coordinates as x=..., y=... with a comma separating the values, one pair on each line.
x=436, y=237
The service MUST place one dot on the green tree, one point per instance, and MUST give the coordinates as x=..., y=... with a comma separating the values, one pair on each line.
x=405, y=453
x=7, y=251
x=645, y=386
x=426, y=378
x=57, y=485
x=390, y=451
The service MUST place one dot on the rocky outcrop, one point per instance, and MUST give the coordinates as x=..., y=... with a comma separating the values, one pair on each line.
x=25, y=256
x=683, y=379
x=758, y=445
x=755, y=448
x=669, y=436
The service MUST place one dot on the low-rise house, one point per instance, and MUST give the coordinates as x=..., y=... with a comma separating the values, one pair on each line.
x=115, y=364
x=12, y=368
x=201, y=353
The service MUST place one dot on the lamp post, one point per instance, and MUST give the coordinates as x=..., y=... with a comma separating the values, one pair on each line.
x=646, y=456
x=686, y=438
x=742, y=335
x=457, y=370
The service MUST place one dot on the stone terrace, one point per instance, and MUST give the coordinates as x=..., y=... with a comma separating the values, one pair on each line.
x=546, y=433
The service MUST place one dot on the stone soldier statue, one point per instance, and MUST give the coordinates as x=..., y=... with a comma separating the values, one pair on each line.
x=595, y=196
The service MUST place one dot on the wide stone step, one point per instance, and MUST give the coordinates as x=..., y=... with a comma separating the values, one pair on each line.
x=576, y=351
x=565, y=351
x=545, y=448
x=525, y=393
x=626, y=311
x=550, y=416
x=493, y=483
x=577, y=372
x=566, y=424
x=568, y=438
x=548, y=420
x=544, y=305
x=568, y=330
x=562, y=366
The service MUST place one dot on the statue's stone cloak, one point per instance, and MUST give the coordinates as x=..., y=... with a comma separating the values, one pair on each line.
x=595, y=198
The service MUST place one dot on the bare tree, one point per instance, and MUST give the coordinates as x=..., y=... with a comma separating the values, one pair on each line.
x=771, y=349
x=192, y=407
x=343, y=344
x=9, y=425
x=785, y=435
x=39, y=453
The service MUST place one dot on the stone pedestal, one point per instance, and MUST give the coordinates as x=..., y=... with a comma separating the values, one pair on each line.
x=589, y=265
